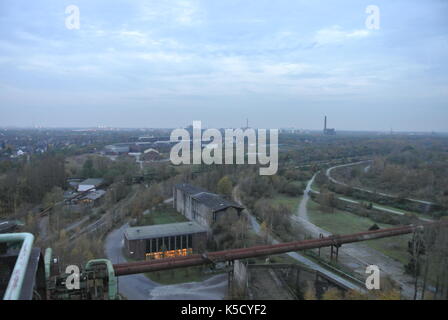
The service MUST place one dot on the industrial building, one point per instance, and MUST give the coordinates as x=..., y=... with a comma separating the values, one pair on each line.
x=92, y=198
x=117, y=149
x=328, y=131
x=202, y=206
x=89, y=184
x=165, y=240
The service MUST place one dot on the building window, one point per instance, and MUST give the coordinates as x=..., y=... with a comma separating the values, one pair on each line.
x=172, y=245
x=168, y=254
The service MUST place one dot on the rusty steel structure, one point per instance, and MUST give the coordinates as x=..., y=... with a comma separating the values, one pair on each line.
x=35, y=278
x=264, y=250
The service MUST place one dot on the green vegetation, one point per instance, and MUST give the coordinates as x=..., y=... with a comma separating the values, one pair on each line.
x=386, y=207
x=341, y=222
x=290, y=202
x=161, y=215
x=225, y=186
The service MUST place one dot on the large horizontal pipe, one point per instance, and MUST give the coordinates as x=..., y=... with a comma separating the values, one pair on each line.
x=264, y=250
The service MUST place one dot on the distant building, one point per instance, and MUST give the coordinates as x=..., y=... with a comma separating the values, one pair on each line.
x=202, y=206
x=74, y=183
x=150, y=155
x=116, y=149
x=165, y=240
x=89, y=184
x=9, y=226
x=92, y=198
x=328, y=131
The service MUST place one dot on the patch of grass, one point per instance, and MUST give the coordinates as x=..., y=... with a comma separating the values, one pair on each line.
x=315, y=186
x=342, y=222
x=337, y=222
x=396, y=247
x=291, y=202
x=162, y=215
x=382, y=206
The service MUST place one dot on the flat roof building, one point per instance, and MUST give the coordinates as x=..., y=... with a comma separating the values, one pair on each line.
x=93, y=197
x=165, y=240
x=89, y=184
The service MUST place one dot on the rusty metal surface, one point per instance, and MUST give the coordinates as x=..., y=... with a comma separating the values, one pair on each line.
x=264, y=250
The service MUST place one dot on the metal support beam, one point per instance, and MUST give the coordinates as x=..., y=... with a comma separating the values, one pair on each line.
x=264, y=250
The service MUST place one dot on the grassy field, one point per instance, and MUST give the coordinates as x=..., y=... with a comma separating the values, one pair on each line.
x=341, y=222
x=315, y=186
x=382, y=206
x=291, y=202
x=163, y=215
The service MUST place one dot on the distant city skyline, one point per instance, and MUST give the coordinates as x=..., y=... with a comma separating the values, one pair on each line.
x=164, y=64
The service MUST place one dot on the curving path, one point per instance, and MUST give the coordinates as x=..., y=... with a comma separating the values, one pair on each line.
x=328, y=174
x=356, y=256
x=296, y=256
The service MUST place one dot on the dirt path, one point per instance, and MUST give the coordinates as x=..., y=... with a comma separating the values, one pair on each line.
x=296, y=256
x=356, y=256
x=328, y=174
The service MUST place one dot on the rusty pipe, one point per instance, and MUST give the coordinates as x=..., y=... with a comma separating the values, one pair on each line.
x=257, y=251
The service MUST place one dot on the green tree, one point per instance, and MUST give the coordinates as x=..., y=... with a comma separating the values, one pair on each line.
x=88, y=170
x=225, y=186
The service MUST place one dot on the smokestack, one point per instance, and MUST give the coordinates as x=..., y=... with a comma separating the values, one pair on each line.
x=325, y=123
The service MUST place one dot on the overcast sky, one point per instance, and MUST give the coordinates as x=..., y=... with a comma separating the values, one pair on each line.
x=280, y=63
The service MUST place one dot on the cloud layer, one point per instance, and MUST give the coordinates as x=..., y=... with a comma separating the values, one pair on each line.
x=165, y=63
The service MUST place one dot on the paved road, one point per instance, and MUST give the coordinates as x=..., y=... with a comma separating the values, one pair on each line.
x=139, y=287
x=133, y=287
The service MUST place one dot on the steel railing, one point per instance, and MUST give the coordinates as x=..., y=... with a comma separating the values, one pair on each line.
x=17, y=277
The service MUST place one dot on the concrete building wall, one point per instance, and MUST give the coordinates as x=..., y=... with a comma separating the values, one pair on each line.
x=240, y=275
x=182, y=203
x=138, y=248
x=231, y=213
x=201, y=214
x=194, y=209
x=135, y=248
